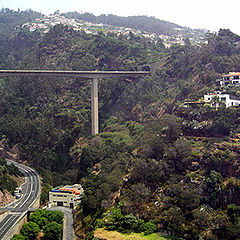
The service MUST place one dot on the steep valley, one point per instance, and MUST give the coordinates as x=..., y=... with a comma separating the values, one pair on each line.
x=165, y=161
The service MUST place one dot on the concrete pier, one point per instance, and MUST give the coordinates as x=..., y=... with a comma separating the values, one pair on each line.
x=93, y=75
x=94, y=105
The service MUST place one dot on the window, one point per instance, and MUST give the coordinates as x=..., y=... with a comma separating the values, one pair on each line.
x=235, y=77
x=226, y=78
x=223, y=99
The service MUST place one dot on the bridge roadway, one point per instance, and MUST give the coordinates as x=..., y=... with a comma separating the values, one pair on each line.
x=30, y=191
x=82, y=74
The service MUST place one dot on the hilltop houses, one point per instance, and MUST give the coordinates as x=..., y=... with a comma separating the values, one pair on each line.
x=44, y=23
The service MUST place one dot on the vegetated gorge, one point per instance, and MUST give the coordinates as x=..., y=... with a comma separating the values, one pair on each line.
x=159, y=165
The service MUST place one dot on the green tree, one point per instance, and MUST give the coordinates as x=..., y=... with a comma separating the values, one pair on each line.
x=37, y=218
x=18, y=237
x=149, y=227
x=30, y=230
x=214, y=181
x=233, y=212
x=115, y=219
x=52, y=231
x=56, y=216
x=3, y=161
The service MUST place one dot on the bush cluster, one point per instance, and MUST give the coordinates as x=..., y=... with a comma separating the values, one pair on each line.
x=115, y=220
x=49, y=222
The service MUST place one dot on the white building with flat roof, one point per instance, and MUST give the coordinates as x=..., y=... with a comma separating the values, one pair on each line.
x=66, y=196
x=227, y=99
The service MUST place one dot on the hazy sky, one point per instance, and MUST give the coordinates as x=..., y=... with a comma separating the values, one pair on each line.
x=209, y=14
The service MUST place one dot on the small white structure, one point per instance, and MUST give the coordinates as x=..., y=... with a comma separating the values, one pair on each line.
x=66, y=196
x=227, y=99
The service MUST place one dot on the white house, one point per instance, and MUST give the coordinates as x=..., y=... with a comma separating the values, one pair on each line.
x=232, y=78
x=227, y=99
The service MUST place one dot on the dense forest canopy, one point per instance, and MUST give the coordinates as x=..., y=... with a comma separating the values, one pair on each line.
x=156, y=165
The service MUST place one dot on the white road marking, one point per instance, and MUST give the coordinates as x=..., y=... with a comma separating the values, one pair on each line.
x=32, y=178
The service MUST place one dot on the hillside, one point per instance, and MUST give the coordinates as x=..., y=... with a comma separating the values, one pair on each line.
x=10, y=178
x=141, y=26
x=143, y=23
x=10, y=19
x=157, y=165
x=149, y=24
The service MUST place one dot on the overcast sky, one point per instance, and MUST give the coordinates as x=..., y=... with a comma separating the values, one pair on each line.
x=208, y=14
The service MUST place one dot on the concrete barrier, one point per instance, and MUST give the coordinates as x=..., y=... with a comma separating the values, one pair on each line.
x=3, y=215
x=15, y=229
x=23, y=219
x=36, y=204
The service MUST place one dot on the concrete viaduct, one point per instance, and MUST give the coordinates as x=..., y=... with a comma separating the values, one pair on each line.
x=93, y=75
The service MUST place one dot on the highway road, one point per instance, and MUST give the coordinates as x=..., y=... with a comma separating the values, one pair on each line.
x=30, y=191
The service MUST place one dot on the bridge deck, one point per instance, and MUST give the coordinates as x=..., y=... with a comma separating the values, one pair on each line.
x=83, y=74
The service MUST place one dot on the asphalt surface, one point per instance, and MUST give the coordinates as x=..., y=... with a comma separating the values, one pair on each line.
x=30, y=190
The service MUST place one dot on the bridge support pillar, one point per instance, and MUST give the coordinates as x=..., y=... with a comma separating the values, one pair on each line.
x=94, y=105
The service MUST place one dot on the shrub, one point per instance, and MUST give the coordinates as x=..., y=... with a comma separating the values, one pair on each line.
x=30, y=230
x=115, y=220
x=149, y=227
x=18, y=237
x=38, y=219
x=99, y=223
x=52, y=231
x=56, y=216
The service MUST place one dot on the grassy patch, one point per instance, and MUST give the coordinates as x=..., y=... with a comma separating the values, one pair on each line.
x=113, y=235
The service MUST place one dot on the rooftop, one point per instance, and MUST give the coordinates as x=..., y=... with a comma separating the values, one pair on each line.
x=220, y=94
x=73, y=189
x=231, y=74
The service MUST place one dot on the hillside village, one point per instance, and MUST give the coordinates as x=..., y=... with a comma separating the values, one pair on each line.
x=44, y=24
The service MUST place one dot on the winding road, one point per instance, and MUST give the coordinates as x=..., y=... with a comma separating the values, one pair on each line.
x=30, y=191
